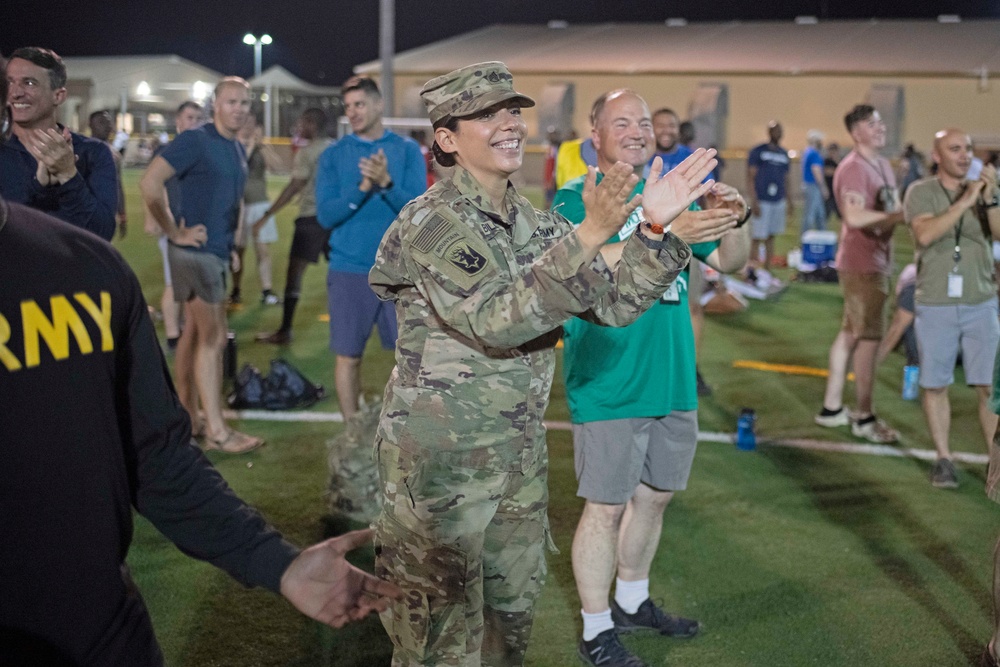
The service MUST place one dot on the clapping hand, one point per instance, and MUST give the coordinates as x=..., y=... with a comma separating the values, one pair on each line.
x=608, y=204
x=726, y=196
x=989, y=178
x=375, y=170
x=665, y=197
x=54, y=152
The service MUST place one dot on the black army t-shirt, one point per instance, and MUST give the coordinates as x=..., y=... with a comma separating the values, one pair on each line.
x=90, y=427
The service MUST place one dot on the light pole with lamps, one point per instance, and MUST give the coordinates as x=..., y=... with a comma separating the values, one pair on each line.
x=258, y=46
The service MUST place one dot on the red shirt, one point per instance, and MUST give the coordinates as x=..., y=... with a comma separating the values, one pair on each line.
x=863, y=250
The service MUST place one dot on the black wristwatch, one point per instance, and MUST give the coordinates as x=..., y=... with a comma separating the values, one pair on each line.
x=993, y=203
x=746, y=216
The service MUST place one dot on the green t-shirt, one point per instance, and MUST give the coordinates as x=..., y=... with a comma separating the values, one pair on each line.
x=936, y=261
x=646, y=369
x=995, y=398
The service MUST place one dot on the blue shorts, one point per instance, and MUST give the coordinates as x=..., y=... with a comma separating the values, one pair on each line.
x=354, y=310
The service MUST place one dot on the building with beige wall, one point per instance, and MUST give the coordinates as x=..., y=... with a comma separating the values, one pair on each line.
x=737, y=76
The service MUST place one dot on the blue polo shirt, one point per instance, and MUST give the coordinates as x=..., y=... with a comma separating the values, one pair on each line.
x=212, y=172
x=89, y=200
x=671, y=159
x=772, y=165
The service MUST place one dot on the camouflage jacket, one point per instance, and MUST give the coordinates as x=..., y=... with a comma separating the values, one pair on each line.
x=481, y=295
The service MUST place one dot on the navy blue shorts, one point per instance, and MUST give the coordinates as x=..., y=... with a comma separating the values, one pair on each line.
x=354, y=310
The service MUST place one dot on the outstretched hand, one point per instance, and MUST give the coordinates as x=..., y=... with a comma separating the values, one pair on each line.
x=324, y=586
x=608, y=204
x=664, y=198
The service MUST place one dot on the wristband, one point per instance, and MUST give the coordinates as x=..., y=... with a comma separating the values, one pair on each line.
x=746, y=216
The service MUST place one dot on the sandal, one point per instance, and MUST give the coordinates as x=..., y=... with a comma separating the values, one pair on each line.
x=234, y=442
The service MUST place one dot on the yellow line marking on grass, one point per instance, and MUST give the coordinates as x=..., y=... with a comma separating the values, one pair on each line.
x=785, y=369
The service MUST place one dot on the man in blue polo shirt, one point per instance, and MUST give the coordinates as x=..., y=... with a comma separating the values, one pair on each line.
x=362, y=183
x=814, y=188
x=44, y=165
x=767, y=170
x=210, y=166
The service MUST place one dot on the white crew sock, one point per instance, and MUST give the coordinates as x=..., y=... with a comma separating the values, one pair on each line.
x=630, y=594
x=595, y=624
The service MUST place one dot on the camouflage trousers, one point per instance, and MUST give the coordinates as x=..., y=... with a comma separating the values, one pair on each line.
x=467, y=548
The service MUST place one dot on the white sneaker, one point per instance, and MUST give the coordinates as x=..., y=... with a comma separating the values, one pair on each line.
x=840, y=418
x=876, y=431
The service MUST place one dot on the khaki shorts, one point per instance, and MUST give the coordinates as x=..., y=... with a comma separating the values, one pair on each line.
x=865, y=295
x=197, y=274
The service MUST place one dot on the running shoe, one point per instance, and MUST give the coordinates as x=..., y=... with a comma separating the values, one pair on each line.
x=607, y=650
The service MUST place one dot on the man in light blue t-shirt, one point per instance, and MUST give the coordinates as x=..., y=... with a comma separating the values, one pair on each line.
x=813, y=184
x=633, y=402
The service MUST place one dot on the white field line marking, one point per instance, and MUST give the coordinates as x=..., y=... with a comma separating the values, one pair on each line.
x=703, y=436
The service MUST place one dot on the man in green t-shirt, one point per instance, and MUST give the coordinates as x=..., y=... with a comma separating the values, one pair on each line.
x=989, y=657
x=954, y=222
x=633, y=400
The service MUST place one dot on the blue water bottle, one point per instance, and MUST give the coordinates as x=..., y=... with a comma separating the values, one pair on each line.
x=746, y=438
x=911, y=378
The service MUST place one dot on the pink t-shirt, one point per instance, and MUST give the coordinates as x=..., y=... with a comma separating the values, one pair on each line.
x=863, y=250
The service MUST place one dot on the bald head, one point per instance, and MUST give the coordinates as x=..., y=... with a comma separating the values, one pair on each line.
x=952, y=153
x=622, y=129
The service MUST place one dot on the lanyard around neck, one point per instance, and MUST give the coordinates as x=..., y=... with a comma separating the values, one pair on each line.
x=957, y=255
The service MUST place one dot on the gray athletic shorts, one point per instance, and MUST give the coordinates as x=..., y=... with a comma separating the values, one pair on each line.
x=163, y=243
x=197, y=274
x=771, y=220
x=613, y=456
x=942, y=329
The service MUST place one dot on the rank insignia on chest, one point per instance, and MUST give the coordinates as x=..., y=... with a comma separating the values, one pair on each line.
x=489, y=230
x=465, y=257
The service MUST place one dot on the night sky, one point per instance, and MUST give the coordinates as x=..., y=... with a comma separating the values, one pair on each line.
x=321, y=40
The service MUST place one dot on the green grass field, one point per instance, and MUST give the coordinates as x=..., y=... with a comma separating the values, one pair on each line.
x=788, y=557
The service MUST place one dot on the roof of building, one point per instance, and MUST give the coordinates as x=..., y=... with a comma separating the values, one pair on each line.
x=872, y=48
x=279, y=77
x=170, y=79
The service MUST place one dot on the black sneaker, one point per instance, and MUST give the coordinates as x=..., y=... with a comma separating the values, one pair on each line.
x=651, y=617
x=703, y=388
x=943, y=474
x=607, y=650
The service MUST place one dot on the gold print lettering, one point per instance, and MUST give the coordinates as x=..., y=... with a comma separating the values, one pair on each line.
x=7, y=357
x=101, y=316
x=55, y=332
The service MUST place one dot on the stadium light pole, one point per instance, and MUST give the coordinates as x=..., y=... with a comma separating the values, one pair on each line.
x=258, y=47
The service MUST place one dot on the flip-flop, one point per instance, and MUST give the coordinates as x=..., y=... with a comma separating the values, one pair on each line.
x=234, y=443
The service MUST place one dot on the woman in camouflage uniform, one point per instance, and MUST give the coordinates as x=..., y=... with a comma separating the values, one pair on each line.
x=482, y=282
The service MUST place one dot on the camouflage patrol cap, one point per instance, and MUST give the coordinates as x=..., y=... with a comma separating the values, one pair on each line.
x=470, y=89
